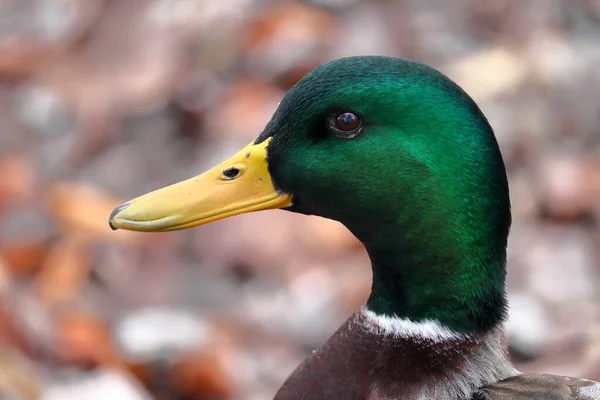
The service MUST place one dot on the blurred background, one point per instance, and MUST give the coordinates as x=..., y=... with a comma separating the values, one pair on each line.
x=102, y=100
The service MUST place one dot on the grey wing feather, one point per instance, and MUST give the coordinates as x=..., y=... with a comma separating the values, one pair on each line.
x=540, y=386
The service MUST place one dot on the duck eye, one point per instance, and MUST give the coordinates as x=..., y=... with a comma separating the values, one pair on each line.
x=347, y=122
x=346, y=125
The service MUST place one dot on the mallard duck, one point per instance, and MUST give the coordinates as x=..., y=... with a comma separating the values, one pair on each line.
x=406, y=160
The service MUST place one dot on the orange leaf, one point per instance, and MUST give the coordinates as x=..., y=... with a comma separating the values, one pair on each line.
x=83, y=210
x=64, y=272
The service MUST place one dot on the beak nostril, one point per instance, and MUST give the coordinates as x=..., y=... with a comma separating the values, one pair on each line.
x=231, y=173
x=114, y=213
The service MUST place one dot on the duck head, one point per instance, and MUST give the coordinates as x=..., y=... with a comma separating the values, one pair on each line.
x=400, y=155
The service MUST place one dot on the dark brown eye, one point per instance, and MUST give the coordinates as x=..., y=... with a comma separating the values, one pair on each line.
x=347, y=122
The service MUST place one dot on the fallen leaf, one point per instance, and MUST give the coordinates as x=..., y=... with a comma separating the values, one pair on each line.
x=288, y=37
x=85, y=339
x=18, y=180
x=83, y=211
x=203, y=374
x=24, y=258
x=64, y=272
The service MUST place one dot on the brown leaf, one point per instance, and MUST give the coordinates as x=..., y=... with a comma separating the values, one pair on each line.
x=23, y=57
x=18, y=180
x=287, y=41
x=83, y=211
x=64, y=273
x=292, y=21
x=203, y=374
x=24, y=258
x=10, y=333
x=85, y=339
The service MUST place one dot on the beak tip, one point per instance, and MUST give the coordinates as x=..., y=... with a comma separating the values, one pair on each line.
x=114, y=213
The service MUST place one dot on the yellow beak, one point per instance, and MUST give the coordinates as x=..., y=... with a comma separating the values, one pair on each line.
x=238, y=185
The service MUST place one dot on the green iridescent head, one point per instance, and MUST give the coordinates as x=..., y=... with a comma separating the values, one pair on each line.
x=396, y=152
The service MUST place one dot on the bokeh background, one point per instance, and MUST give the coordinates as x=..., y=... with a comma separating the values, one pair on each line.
x=102, y=100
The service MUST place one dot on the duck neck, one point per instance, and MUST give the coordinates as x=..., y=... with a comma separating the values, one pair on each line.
x=461, y=294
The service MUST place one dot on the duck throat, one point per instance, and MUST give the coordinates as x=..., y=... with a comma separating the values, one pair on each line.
x=461, y=295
